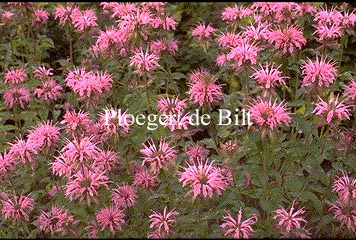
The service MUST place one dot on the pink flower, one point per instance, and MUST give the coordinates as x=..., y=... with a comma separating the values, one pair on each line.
x=345, y=213
x=325, y=32
x=332, y=109
x=124, y=196
x=196, y=153
x=57, y=220
x=236, y=12
x=64, y=13
x=48, y=91
x=83, y=19
x=348, y=20
x=23, y=150
x=44, y=136
x=350, y=91
x=269, y=115
x=85, y=183
x=144, y=62
x=87, y=83
x=177, y=121
x=268, y=76
x=7, y=163
x=203, y=89
x=16, y=96
x=17, y=207
x=41, y=17
x=289, y=220
x=171, y=105
x=325, y=16
x=322, y=71
x=167, y=23
x=113, y=124
x=76, y=122
x=345, y=187
x=157, y=157
x=162, y=222
x=229, y=145
x=7, y=15
x=81, y=150
x=112, y=218
x=229, y=39
x=15, y=76
x=238, y=228
x=106, y=160
x=255, y=33
x=161, y=45
x=287, y=39
x=203, y=32
x=144, y=179
x=42, y=72
x=244, y=52
x=203, y=178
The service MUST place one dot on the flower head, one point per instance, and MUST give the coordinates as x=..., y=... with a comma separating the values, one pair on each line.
x=236, y=227
x=144, y=62
x=110, y=217
x=203, y=32
x=49, y=91
x=333, y=109
x=289, y=220
x=16, y=96
x=55, y=221
x=269, y=115
x=156, y=157
x=268, y=76
x=17, y=207
x=345, y=187
x=124, y=196
x=203, y=88
x=162, y=222
x=203, y=178
x=15, y=76
x=321, y=72
x=287, y=39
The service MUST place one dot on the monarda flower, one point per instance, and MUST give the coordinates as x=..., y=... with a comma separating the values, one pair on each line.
x=40, y=17
x=44, y=136
x=287, y=39
x=268, y=76
x=269, y=115
x=111, y=218
x=203, y=179
x=76, y=122
x=238, y=228
x=321, y=72
x=291, y=220
x=15, y=76
x=16, y=96
x=167, y=105
x=82, y=20
x=345, y=213
x=350, y=91
x=231, y=14
x=22, y=150
x=345, y=187
x=157, y=157
x=144, y=62
x=7, y=163
x=17, y=207
x=42, y=72
x=162, y=222
x=124, y=196
x=202, y=32
x=244, y=53
x=85, y=184
x=49, y=91
x=57, y=220
x=203, y=88
x=144, y=179
x=196, y=152
x=332, y=110
x=64, y=13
